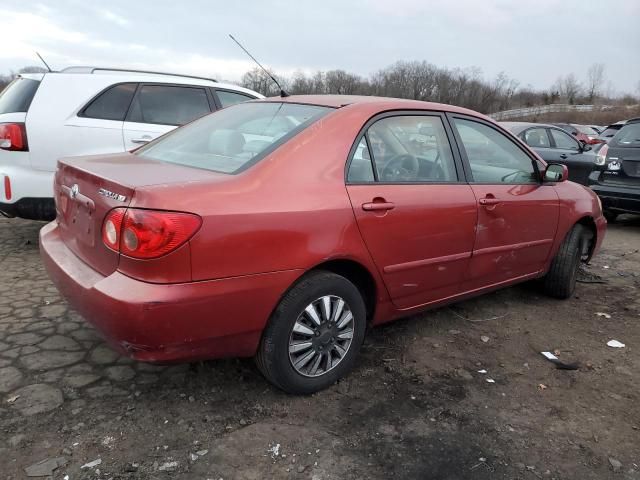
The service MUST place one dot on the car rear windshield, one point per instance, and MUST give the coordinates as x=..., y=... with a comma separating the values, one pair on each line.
x=628, y=136
x=235, y=137
x=17, y=96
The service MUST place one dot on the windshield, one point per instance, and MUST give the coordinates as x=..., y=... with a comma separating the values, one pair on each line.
x=628, y=136
x=234, y=138
x=17, y=96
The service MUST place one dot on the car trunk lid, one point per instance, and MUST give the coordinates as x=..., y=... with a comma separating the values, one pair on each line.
x=623, y=166
x=87, y=188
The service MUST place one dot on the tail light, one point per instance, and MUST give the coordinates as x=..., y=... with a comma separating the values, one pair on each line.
x=601, y=157
x=147, y=234
x=13, y=136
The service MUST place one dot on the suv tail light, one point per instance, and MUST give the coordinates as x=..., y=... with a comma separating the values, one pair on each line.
x=601, y=158
x=13, y=136
x=146, y=234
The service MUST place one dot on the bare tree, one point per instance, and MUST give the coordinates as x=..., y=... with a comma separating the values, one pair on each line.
x=568, y=87
x=595, y=81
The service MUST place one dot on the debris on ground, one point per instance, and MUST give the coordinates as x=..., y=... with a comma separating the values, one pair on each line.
x=168, y=466
x=542, y=386
x=274, y=450
x=490, y=380
x=484, y=338
x=46, y=467
x=559, y=363
x=95, y=463
x=615, y=344
x=616, y=465
x=603, y=314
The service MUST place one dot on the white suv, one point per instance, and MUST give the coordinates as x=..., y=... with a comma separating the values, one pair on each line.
x=85, y=111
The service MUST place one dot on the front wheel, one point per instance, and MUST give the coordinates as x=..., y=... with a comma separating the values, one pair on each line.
x=314, y=335
x=560, y=281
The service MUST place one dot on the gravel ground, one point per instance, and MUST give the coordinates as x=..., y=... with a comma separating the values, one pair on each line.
x=416, y=406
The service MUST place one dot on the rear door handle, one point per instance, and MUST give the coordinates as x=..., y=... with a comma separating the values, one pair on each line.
x=377, y=206
x=489, y=201
x=563, y=156
x=141, y=140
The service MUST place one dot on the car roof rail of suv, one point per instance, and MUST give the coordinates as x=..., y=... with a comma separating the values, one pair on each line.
x=128, y=70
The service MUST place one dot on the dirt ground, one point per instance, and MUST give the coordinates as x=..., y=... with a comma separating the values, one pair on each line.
x=416, y=406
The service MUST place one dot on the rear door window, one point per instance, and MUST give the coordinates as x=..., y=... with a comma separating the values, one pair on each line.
x=17, y=96
x=231, y=98
x=628, y=136
x=112, y=104
x=537, y=138
x=168, y=105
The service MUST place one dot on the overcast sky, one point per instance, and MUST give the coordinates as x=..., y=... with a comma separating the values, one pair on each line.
x=532, y=41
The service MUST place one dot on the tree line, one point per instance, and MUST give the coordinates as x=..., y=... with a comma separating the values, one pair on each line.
x=420, y=80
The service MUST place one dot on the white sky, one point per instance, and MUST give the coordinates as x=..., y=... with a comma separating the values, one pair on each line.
x=532, y=41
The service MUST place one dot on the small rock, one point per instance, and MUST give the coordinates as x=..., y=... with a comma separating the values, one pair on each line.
x=45, y=467
x=92, y=464
x=16, y=440
x=168, y=466
x=243, y=422
x=301, y=468
x=484, y=338
x=616, y=465
x=454, y=332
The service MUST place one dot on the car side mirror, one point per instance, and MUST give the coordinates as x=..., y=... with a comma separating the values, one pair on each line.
x=586, y=147
x=556, y=172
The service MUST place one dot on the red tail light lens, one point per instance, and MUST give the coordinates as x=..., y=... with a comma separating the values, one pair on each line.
x=147, y=234
x=13, y=136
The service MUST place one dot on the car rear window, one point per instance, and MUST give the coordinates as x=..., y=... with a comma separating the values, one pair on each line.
x=628, y=136
x=611, y=130
x=17, y=96
x=234, y=138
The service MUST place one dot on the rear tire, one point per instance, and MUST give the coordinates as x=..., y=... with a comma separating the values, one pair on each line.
x=560, y=281
x=275, y=357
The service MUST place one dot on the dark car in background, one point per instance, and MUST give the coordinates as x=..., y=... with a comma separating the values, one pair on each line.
x=555, y=145
x=616, y=178
x=610, y=131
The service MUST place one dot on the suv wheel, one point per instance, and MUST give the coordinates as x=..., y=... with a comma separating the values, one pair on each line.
x=314, y=335
x=560, y=281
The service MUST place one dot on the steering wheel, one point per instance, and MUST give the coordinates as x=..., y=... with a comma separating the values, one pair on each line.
x=402, y=167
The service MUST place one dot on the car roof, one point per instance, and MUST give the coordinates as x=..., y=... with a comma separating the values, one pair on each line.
x=384, y=103
x=132, y=75
x=518, y=127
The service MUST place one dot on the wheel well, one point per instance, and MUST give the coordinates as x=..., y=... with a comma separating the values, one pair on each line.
x=590, y=225
x=357, y=274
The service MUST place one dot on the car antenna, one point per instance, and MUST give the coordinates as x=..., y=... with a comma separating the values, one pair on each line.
x=282, y=92
x=45, y=63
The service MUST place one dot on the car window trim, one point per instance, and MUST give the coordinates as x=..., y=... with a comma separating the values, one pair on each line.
x=363, y=132
x=451, y=116
x=181, y=85
x=82, y=112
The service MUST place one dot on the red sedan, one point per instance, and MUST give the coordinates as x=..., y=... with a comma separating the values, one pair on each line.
x=282, y=228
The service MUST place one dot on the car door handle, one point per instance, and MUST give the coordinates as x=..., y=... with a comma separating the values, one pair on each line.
x=563, y=156
x=489, y=201
x=377, y=206
x=141, y=140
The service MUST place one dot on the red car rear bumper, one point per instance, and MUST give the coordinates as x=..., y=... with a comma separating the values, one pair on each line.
x=166, y=322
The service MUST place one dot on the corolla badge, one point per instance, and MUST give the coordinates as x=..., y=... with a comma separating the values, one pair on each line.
x=75, y=190
x=112, y=195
